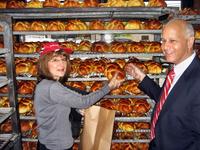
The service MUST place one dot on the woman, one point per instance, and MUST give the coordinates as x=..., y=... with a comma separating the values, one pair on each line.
x=53, y=101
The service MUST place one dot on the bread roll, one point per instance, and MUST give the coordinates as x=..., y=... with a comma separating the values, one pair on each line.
x=134, y=25
x=26, y=87
x=100, y=46
x=21, y=26
x=114, y=25
x=75, y=66
x=142, y=125
x=135, y=3
x=38, y=26
x=153, y=67
x=51, y=3
x=142, y=66
x=55, y=26
x=4, y=102
x=157, y=3
x=120, y=62
x=3, y=4
x=85, y=45
x=25, y=66
x=69, y=44
x=114, y=3
x=91, y=3
x=96, y=25
x=124, y=106
x=152, y=47
x=112, y=69
x=25, y=105
x=15, y=4
x=117, y=47
x=78, y=85
x=107, y=104
x=86, y=67
x=99, y=66
x=131, y=86
x=6, y=127
x=34, y=4
x=72, y=3
x=4, y=89
x=75, y=25
x=25, y=126
x=153, y=24
x=126, y=126
x=141, y=106
x=96, y=86
x=135, y=47
x=29, y=145
x=197, y=34
x=27, y=48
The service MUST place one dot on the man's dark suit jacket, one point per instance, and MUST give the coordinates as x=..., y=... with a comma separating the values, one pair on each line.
x=178, y=126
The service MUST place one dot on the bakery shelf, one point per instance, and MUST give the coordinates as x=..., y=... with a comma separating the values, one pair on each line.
x=27, y=117
x=77, y=54
x=105, y=79
x=3, y=51
x=133, y=119
x=125, y=141
x=27, y=55
x=25, y=95
x=29, y=140
x=27, y=78
x=5, y=112
x=5, y=140
x=91, y=78
x=3, y=81
x=113, y=55
x=188, y=17
x=87, y=32
x=197, y=41
x=19, y=95
x=131, y=141
x=95, y=12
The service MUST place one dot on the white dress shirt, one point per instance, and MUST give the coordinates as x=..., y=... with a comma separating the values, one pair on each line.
x=180, y=68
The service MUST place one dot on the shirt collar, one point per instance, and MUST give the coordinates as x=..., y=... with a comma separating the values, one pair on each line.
x=181, y=67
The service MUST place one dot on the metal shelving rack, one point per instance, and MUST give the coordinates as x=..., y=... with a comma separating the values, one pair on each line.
x=88, y=14
x=12, y=140
x=96, y=12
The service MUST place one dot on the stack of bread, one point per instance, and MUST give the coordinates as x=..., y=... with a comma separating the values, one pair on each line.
x=26, y=87
x=78, y=25
x=26, y=66
x=27, y=47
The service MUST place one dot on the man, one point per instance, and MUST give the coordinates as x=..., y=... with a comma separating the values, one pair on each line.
x=175, y=123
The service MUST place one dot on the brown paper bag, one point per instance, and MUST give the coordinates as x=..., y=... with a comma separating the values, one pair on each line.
x=97, y=129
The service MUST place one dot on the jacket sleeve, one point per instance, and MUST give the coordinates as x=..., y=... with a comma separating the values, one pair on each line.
x=151, y=88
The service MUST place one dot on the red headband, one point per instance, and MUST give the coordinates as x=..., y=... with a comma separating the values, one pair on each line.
x=53, y=47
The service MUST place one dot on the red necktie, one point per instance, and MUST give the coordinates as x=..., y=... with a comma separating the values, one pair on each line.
x=163, y=97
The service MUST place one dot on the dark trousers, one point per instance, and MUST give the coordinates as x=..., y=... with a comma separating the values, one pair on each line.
x=41, y=146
